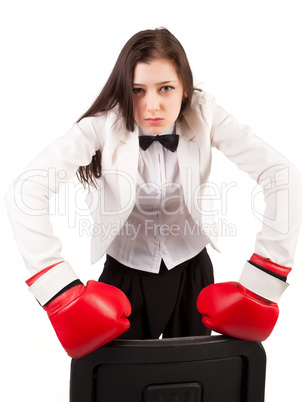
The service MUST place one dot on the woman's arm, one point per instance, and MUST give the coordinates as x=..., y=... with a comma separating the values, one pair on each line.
x=248, y=308
x=280, y=181
x=83, y=317
x=28, y=197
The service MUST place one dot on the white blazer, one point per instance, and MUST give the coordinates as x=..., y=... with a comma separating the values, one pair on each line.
x=204, y=125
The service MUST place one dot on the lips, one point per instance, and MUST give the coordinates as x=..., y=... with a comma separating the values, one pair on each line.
x=156, y=121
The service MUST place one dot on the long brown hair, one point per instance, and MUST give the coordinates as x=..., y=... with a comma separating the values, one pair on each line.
x=143, y=47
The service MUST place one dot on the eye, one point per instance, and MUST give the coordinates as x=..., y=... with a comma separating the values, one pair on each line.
x=166, y=88
x=137, y=90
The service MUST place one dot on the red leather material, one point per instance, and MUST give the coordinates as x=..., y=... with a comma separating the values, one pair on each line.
x=64, y=299
x=85, y=318
x=270, y=265
x=230, y=309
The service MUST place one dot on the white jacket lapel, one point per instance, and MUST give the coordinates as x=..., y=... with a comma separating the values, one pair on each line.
x=114, y=200
x=188, y=159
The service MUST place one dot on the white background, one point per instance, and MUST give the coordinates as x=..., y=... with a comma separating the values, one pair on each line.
x=55, y=58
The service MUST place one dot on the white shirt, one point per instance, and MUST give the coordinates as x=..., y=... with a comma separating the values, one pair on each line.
x=159, y=226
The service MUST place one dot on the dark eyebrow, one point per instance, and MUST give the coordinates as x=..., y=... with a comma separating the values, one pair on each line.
x=159, y=83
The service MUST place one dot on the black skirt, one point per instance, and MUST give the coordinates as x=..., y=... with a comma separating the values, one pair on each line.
x=163, y=303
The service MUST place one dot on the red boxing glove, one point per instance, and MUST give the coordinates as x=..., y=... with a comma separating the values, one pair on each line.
x=248, y=309
x=83, y=317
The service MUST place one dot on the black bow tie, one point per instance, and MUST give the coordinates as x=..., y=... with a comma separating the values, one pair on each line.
x=169, y=141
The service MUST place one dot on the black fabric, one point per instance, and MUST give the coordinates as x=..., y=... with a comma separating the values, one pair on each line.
x=163, y=303
x=169, y=141
x=267, y=271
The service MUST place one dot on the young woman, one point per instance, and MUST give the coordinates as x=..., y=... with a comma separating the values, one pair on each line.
x=144, y=149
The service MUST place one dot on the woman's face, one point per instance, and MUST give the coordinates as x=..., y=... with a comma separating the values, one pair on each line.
x=157, y=94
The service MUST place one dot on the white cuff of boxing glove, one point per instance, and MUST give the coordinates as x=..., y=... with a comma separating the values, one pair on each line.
x=261, y=283
x=54, y=280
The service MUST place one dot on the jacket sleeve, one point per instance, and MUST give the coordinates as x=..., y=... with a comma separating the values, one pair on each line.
x=279, y=180
x=27, y=198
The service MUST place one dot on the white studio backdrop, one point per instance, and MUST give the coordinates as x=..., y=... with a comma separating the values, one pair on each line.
x=55, y=56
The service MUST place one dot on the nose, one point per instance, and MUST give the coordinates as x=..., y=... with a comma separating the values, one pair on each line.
x=152, y=103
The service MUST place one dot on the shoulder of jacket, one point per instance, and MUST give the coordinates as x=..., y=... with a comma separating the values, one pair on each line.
x=101, y=122
x=201, y=98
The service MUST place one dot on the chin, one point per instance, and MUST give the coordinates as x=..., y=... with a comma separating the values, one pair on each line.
x=155, y=130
